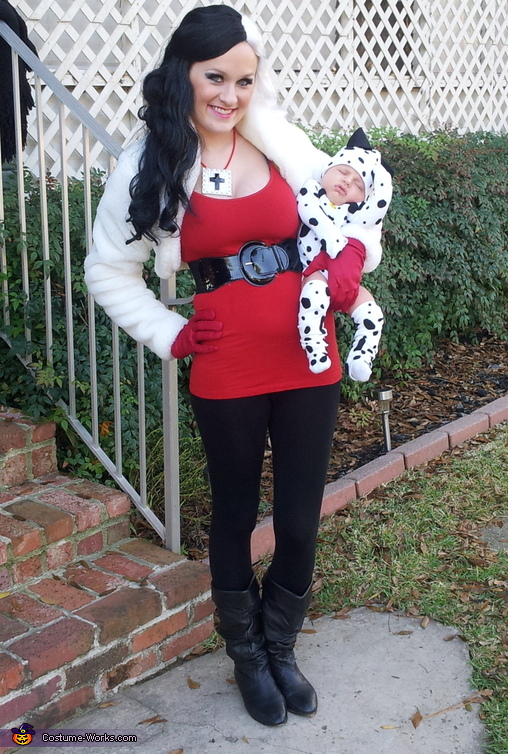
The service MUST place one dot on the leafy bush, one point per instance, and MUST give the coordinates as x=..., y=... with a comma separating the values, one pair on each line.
x=37, y=392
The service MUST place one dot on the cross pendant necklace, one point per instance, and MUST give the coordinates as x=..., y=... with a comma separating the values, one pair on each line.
x=217, y=182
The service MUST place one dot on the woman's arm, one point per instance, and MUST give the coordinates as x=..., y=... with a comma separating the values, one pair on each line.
x=114, y=270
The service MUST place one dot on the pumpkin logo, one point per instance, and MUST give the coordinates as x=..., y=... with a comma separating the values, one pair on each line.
x=23, y=735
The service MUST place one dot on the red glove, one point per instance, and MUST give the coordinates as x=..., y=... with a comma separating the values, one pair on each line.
x=344, y=273
x=194, y=337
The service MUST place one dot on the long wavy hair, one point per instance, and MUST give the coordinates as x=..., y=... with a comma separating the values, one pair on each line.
x=172, y=143
x=170, y=150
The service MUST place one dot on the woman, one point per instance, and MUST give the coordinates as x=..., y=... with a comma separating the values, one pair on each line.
x=214, y=183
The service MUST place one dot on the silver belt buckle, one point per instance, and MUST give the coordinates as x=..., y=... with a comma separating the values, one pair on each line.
x=258, y=263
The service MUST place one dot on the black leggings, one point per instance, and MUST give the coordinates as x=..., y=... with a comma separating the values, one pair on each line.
x=301, y=425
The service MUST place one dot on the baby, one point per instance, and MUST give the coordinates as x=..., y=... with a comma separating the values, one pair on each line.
x=350, y=203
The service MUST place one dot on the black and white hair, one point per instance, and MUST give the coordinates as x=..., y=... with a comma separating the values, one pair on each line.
x=172, y=143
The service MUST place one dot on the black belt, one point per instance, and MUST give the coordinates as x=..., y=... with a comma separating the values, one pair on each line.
x=256, y=263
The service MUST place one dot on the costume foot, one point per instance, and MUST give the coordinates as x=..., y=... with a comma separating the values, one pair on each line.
x=369, y=320
x=314, y=303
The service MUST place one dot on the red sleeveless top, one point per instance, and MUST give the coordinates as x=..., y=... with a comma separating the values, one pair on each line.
x=259, y=351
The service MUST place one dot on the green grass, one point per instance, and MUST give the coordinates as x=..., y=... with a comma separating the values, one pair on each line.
x=415, y=545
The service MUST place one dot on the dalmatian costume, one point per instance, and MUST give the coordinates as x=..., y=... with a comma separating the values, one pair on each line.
x=327, y=227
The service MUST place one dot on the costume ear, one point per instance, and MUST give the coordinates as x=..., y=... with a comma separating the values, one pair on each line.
x=358, y=139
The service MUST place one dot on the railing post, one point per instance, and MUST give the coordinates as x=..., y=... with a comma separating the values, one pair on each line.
x=44, y=222
x=3, y=256
x=170, y=438
x=66, y=250
x=21, y=186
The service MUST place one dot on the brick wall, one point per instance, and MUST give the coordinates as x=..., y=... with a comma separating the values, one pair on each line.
x=27, y=450
x=70, y=639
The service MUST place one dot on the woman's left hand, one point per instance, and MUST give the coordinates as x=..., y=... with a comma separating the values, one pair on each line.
x=344, y=273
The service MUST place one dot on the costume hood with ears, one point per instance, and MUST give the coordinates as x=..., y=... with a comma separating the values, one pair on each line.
x=363, y=220
x=376, y=175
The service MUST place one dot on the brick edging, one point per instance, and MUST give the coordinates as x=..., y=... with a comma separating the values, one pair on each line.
x=391, y=465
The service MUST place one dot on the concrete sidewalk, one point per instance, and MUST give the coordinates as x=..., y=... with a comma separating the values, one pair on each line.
x=373, y=671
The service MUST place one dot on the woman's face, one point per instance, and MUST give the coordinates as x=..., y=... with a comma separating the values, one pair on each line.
x=223, y=89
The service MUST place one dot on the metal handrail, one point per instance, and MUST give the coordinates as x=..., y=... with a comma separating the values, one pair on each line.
x=170, y=531
x=59, y=90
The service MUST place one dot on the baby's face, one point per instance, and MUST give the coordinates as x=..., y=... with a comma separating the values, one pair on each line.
x=343, y=185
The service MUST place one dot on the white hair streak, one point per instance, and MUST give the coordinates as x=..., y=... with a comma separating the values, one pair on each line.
x=266, y=125
x=265, y=91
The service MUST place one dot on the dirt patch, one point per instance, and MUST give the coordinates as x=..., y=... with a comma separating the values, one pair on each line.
x=462, y=378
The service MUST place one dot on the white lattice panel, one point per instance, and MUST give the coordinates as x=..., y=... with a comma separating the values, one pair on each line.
x=412, y=64
x=471, y=65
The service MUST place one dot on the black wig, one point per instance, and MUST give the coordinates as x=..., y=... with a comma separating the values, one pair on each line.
x=172, y=142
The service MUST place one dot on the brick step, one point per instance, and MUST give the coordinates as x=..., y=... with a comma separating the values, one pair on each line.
x=71, y=637
x=48, y=523
x=84, y=609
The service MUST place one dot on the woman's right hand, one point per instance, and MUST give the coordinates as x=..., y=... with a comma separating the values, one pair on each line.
x=195, y=336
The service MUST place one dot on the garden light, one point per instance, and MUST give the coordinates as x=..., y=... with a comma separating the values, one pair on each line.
x=384, y=398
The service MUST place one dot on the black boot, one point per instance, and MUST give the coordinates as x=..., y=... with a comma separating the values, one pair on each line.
x=282, y=616
x=240, y=626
